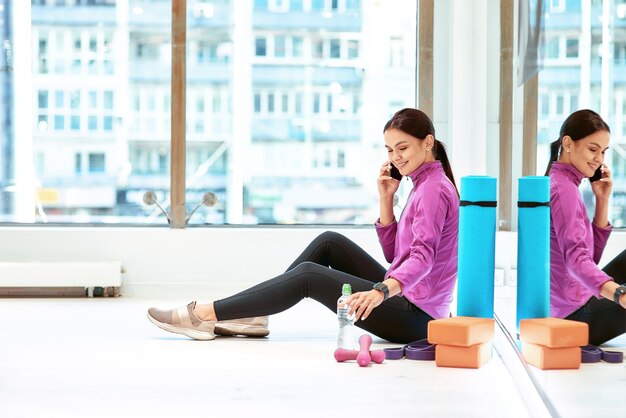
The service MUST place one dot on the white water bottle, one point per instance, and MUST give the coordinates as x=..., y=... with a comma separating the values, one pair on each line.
x=345, y=339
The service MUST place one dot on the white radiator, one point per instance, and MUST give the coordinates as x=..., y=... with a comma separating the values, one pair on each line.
x=37, y=274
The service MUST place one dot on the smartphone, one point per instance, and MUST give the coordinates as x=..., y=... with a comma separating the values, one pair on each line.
x=596, y=176
x=395, y=173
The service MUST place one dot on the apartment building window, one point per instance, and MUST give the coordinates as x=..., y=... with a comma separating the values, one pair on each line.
x=562, y=47
x=280, y=46
x=75, y=99
x=341, y=159
x=573, y=102
x=75, y=122
x=96, y=163
x=59, y=122
x=59, y=99
x=42, y=110
x=298, y=103
x=297, y=46
x=93, y=99
x=260, y=47
x=107, y=123
x=92, y=123
x=217, y=102
x=619, y=52
x=78, y=163
x=318, y=48
x=335, y=48
x=317, y=103
x=42, y=99
x=552, y=47
x=42, y=123
x=257, y=103
x=43, y=56
x=146, y=51
x=284, y=103
x=108, y=100
x=353, y=49
x=571, y=48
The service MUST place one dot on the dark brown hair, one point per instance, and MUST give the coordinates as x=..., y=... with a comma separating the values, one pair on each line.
x=578, y=125
x=416, y=123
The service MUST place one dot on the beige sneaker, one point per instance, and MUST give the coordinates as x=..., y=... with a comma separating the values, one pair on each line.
x=183, y=321
x=250, y=327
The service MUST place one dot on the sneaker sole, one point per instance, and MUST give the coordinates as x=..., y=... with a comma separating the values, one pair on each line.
x=246, y=331
x=191, y=333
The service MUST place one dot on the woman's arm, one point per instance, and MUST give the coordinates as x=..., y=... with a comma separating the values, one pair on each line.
x=386, y=210
x=601, y=215
x=607, y=290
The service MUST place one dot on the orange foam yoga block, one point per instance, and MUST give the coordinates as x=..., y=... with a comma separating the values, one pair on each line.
x=462, y=331
x=554, y=332
x=547, y=358
x=471, y=357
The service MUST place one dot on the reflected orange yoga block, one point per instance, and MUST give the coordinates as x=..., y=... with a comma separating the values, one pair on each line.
x=554, y=332
x=471, y=357
x=547, y=358
x=461, y=331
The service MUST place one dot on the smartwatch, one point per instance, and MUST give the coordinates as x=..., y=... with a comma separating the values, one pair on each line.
x=619, y=291
x=383, y=288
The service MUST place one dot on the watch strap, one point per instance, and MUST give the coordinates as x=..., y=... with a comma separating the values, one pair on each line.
x=383, y=288
x=619, y=291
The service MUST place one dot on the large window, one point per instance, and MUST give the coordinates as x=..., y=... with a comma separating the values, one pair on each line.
x=307, y=145
x=592, y=77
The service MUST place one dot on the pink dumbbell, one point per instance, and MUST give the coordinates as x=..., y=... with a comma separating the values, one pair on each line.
x=341, y=355
x=364, y=356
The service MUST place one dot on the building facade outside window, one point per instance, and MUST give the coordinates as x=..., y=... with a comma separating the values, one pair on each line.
x=101, y=108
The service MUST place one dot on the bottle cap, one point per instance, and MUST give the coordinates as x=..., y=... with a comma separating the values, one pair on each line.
x=346, y=289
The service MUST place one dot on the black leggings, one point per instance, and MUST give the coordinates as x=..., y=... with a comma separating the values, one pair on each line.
x=328, y=262
x=606, y=319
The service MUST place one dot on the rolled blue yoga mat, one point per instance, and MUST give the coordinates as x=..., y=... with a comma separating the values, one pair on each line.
x=477, y=237
x=533, y=248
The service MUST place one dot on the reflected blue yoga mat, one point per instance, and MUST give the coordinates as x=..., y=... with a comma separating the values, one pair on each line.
x=477, y=237
x=533, y=248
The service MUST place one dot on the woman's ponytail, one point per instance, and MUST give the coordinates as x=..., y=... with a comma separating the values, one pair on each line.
x=555, y=147
x=439, y=151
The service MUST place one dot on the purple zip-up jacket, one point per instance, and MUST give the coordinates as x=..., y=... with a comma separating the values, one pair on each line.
x=576, y=245
x=422, y=245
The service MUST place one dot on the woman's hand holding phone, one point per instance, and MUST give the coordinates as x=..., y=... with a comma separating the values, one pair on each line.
x=387, y=185
x=602, y=185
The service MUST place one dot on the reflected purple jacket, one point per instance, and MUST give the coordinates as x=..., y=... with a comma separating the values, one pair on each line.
x=576, y=244
x=422, y=245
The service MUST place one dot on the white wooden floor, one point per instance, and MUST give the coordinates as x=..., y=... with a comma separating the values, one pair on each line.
x=101, y=357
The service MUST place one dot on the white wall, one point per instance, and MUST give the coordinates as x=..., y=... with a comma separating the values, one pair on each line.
x=163, y=262
x=209, y=261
